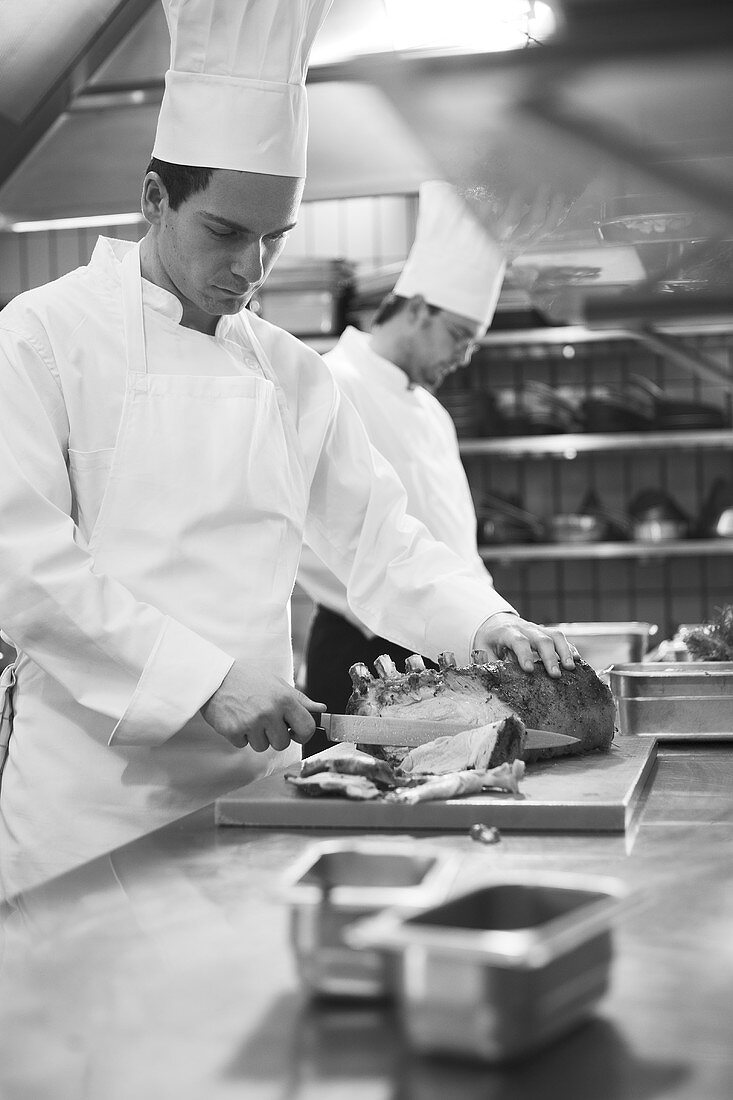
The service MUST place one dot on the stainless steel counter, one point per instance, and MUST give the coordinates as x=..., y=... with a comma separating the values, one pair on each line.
x=164, y=970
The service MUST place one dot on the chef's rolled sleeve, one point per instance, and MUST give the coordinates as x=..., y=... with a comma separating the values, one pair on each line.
x=181, y=674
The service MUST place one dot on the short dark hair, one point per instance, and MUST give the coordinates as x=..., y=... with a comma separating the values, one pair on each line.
x=393, y=304
x=181, y=180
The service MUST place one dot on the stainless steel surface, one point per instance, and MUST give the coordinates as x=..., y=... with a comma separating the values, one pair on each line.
x=700, y=365
x=547, y=739
x=606, y=643
x=553, y=335
x=163, y=970
x=501, y=970
x=604, y=550
x=337, y=882
x=686, y=699
x=594, y=442
x=589, y=111
x=367, y=730
x=687, y=678
x=574, y=528
x=652, y=91
x=385, y=731
x=101, y=111
x=724, y=523
x=46, y=59
x=659, y=530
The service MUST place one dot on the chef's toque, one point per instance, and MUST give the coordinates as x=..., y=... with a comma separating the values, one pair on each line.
x=454, y=264
x=235, y=91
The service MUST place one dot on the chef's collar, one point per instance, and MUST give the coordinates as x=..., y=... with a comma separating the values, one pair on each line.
x=108, y=255
x=386, y=373
x=107, y=259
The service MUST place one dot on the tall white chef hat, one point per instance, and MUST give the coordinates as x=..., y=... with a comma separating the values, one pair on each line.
x=453, y=263
x=235, y=91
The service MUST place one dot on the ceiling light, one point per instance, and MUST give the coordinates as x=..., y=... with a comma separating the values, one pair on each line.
x=474, y=25
x=87, y=222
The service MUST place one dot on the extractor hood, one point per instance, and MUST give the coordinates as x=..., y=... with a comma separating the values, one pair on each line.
x=81, y=89
x=626, y=111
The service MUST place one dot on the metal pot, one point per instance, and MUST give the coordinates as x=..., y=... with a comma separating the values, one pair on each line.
x=503, y=521
x=659, y=530
x=576, y=527
x=716, y=517
x=656, y=517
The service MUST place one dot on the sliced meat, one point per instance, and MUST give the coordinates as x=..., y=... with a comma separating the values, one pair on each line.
x=376, y=771
x=481, y=747
x=460, y=784
x=331, y=783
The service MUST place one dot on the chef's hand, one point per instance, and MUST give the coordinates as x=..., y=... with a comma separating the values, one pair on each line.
x=502, y=632
x=253, y=707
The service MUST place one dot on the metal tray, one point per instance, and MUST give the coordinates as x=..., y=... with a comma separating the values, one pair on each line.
x=609, y=643
x=503, y=969
x=336, y=883
x=679, y=700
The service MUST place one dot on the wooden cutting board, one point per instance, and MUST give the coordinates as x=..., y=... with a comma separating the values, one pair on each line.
x=574, y=793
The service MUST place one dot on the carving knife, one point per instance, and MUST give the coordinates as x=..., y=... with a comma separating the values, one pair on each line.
x=375, y=730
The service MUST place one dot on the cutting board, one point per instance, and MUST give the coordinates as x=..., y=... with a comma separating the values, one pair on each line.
x=574, y=793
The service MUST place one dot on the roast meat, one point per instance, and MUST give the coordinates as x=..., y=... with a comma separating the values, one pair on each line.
x=577, y=703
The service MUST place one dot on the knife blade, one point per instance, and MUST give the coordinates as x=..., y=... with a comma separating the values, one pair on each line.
x=376, y=730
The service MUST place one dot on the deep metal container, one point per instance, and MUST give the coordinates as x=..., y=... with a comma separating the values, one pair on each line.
x=339, y=882
x=608, y=643
x=502, y=970
x=678, y=699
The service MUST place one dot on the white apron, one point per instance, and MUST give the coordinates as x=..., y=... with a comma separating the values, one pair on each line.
x=202, y=517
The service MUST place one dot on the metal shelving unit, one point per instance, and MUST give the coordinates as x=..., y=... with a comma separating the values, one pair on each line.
x=566, y=551
x=661, y=582
x=571, y=335
x=569, y=446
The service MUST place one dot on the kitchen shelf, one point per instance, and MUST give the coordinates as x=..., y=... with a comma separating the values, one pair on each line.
x=593, y=550
x=569, y=446
x=580, y=334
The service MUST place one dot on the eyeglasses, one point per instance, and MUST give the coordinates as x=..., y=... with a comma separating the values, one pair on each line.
x=463, y=341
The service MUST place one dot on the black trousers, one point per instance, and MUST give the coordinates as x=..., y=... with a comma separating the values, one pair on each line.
x=334, y=645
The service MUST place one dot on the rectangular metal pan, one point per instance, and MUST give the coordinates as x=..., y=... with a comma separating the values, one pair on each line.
x=676, y=700
x=502, y=970
x=338, y=882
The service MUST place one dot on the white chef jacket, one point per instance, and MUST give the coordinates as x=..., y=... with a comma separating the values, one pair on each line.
x=132, y=678
x=416, y=434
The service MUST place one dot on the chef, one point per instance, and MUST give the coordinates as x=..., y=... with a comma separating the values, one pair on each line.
x=163, y=452
x=443, y=301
